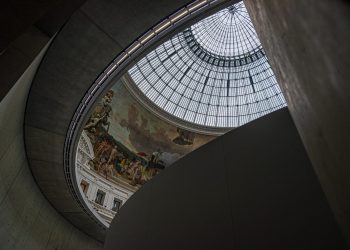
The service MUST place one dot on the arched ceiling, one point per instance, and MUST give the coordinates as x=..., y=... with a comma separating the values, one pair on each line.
x=88, y=42
x=214, y=74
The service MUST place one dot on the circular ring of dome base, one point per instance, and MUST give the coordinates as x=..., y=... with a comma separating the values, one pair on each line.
x=214, y=74
x=221, y=61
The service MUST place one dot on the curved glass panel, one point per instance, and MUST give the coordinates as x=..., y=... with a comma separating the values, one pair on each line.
x=213, y=74
x=228, y=33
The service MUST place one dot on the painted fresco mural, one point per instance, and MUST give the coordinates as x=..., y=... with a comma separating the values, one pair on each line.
x=131, y=145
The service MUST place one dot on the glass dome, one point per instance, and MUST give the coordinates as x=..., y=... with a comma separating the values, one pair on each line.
x=213, y=74
x=229, y=34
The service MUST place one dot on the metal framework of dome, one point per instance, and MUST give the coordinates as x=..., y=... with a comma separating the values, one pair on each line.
x=213, y=74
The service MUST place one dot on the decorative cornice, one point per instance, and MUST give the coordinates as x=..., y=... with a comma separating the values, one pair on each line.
x=162, y=114
x=114, y=71
x=221, y=61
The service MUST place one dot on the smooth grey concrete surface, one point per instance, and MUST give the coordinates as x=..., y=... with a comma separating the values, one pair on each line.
x=25, y=28
x=27, y=220
x=93, y=36
x=17, y=16
x=308, y=45
x=18, y=56
x=252, y=188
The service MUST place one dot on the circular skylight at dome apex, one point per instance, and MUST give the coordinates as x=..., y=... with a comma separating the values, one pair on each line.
x=229, y=33
x=214, y=74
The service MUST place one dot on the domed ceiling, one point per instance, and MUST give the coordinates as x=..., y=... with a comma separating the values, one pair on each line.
x=122, y=147
x=214, y=73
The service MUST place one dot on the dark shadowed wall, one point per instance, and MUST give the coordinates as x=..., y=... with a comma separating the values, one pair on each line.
x=307, y=43
x=253, y=188
x=25, y=28
x=92, y=37
x=27, y=219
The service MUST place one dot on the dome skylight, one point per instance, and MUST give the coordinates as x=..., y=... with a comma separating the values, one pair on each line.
x=213, y=74
x=228, y=34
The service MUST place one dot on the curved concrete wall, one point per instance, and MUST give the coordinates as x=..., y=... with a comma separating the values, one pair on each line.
x=93, y=36
x=27, y=219
x=25, y=28
x=307, y=43
x=252, y=188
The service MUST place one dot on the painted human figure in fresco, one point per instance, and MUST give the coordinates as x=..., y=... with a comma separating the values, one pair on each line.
x=155, y=157
x=124, y=164
x=107, y=156
x=131, y=169
x=102, y=147
x=132, y=158
x=106, y=170
x=109, y=161
x=137, y=173
x=184, y=137
x=156, y=160
x=101, y=114
x=102, y=161
x=113, y=155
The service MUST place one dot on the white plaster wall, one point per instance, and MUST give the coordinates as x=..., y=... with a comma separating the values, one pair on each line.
x=96, y=182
